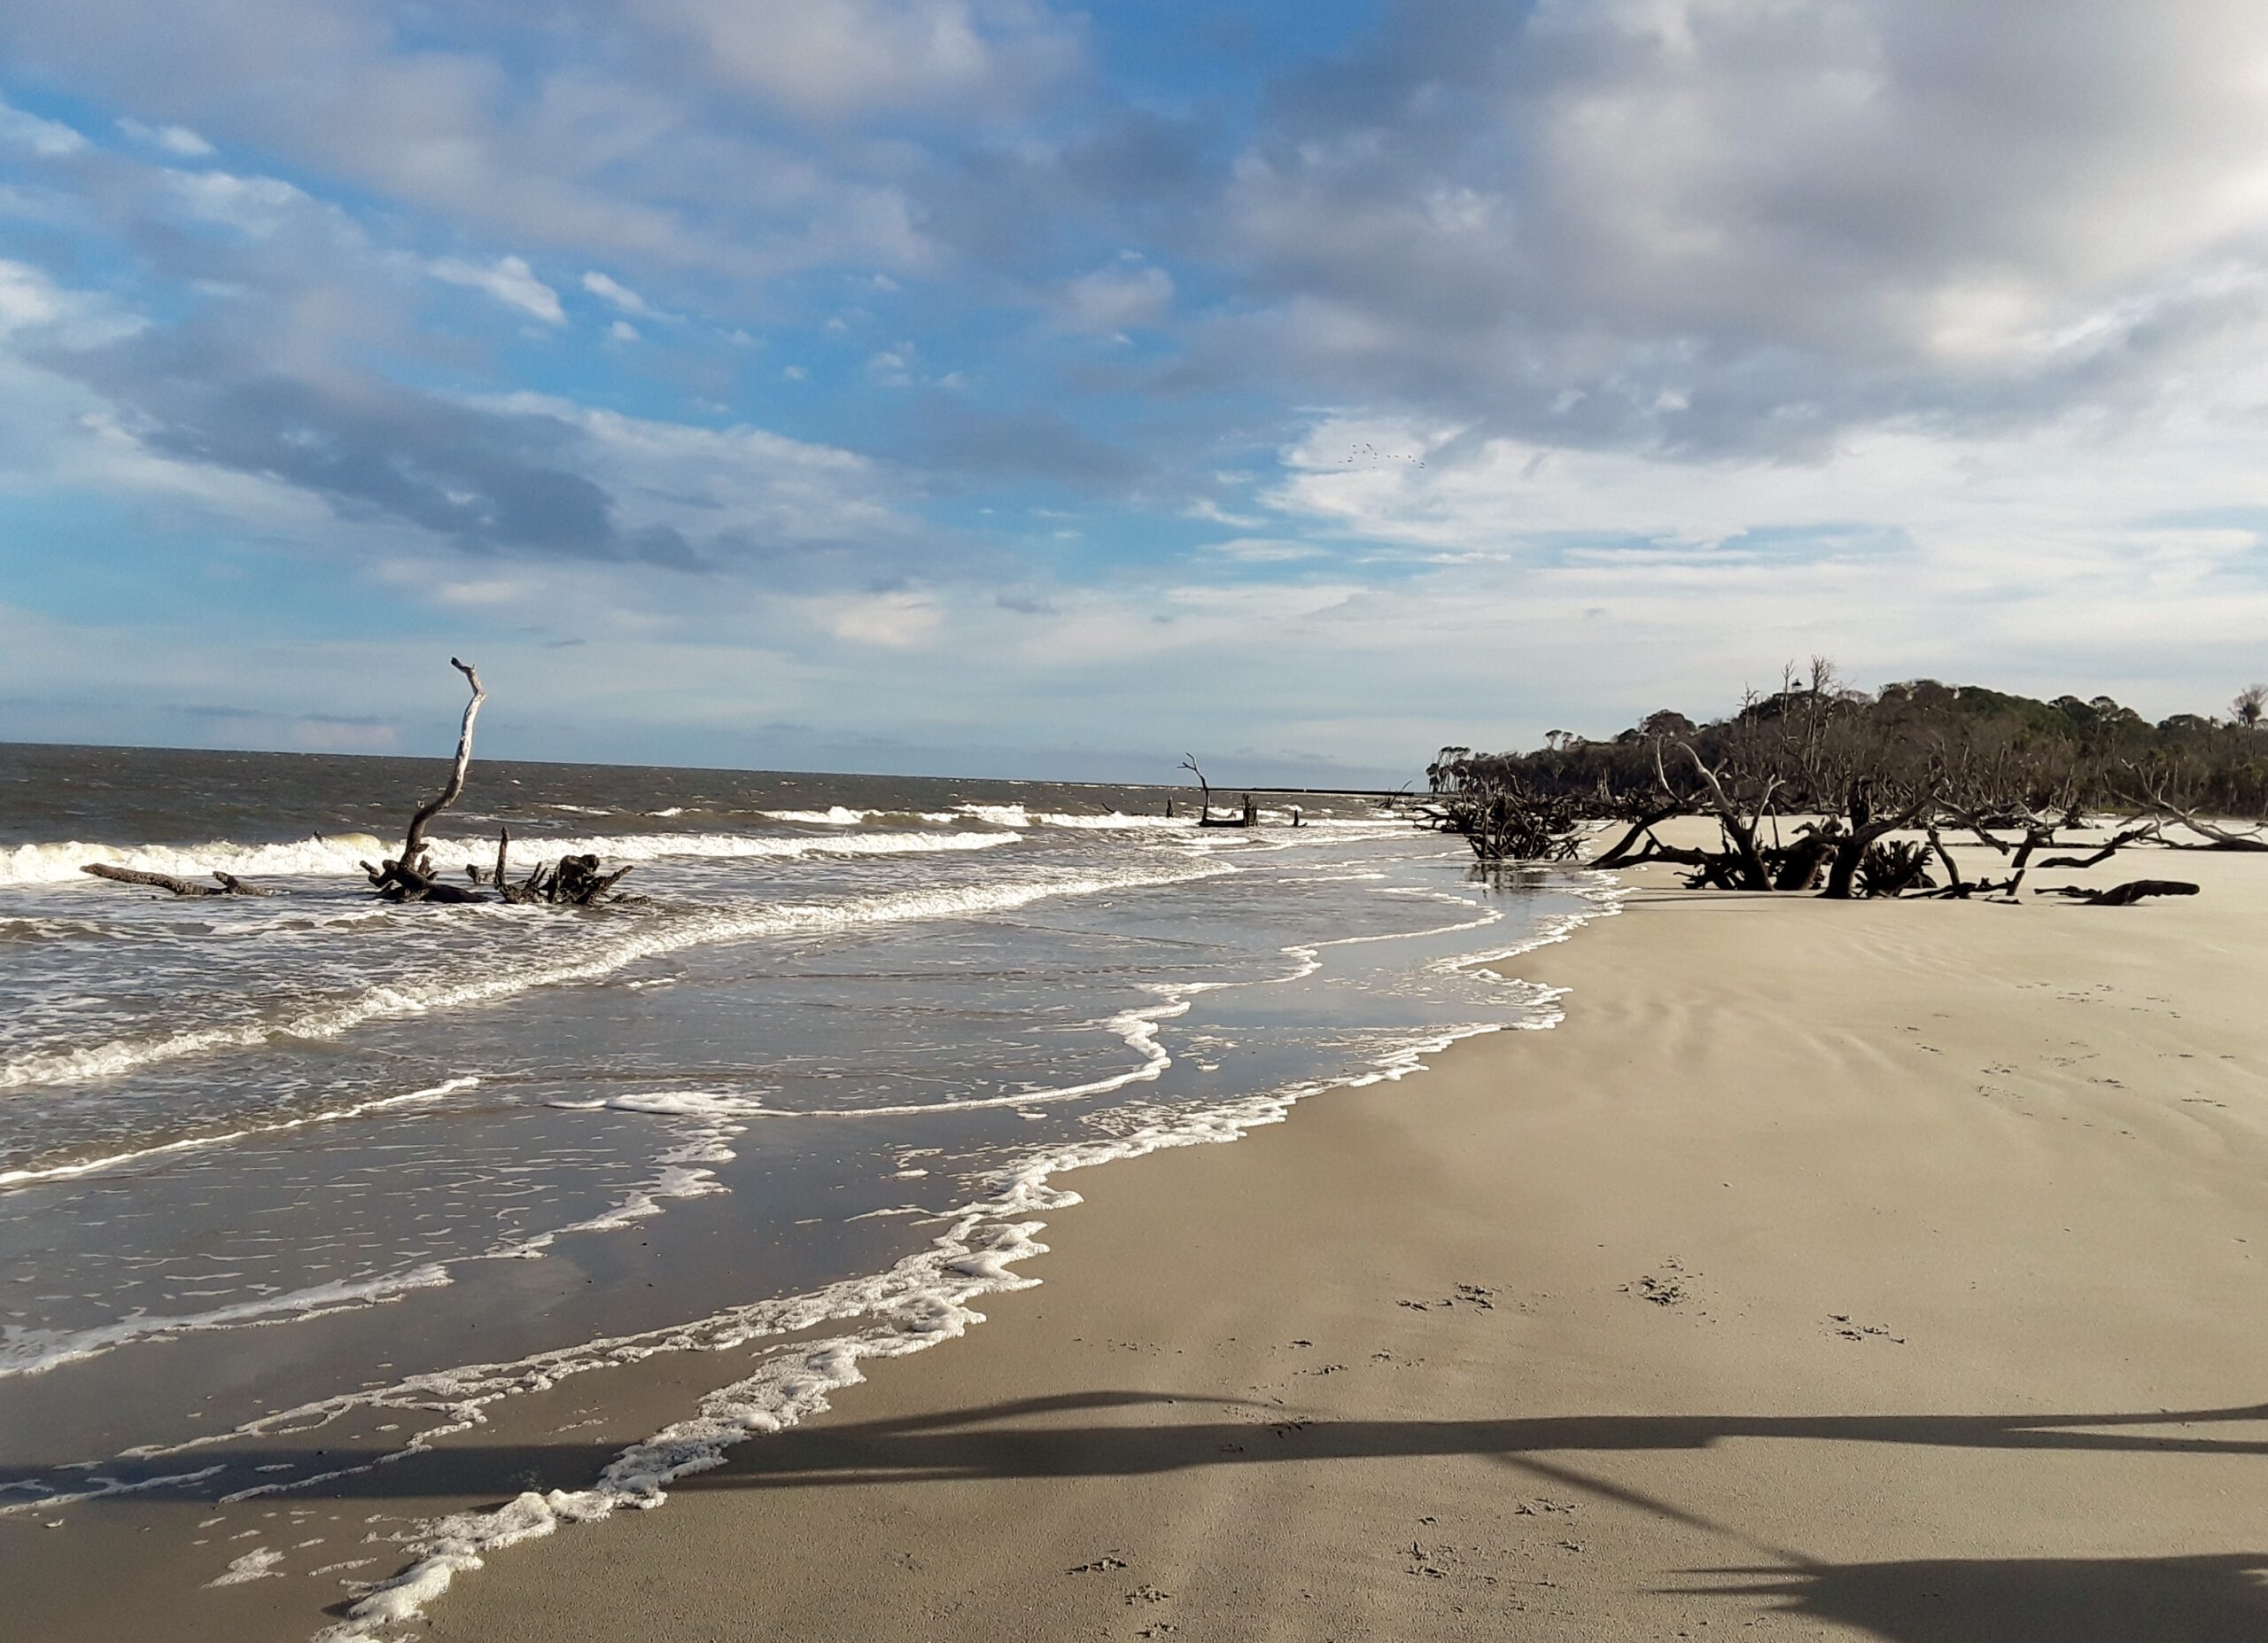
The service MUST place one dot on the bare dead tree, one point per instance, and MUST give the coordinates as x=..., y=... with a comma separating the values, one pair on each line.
x=1204, y=788
x=2155, y=803
x=1506, y=820
x=410, y=876
x=572, y=880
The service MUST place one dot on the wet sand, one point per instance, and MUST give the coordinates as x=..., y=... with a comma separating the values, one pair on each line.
x=1850, y=1271
x=1889, y=1271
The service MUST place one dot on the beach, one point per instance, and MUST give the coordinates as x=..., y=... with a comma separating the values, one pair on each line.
x=1872, y=1270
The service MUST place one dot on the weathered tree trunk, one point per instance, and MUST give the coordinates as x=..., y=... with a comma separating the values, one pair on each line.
x=227, y=883
x=1643, y=828
x=2127, y=894
x=1867, y=829
x=1740, y=832
x=411, y=878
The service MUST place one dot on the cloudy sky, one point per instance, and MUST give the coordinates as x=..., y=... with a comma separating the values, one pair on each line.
x=981, y=386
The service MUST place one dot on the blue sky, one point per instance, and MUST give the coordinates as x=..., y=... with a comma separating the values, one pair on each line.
x=963, y=386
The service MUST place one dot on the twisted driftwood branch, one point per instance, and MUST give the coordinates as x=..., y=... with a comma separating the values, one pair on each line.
x=410, y=877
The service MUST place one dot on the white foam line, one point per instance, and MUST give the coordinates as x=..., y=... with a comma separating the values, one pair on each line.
x=598, y=959
x=1139, y=1028
x=685, y=1173
x=58, y=1172
x=103, y=1487
x=1605, y=894
x=972, y=1260
x=342, y=854
x=36, y=1352
x=923, y=1301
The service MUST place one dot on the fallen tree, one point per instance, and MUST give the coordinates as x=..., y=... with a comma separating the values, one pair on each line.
x=1820, y=789
x=410, y=876
x=227, y=885
x=572, y=880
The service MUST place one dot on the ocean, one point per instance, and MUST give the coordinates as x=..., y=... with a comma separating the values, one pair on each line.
x=292, y=1189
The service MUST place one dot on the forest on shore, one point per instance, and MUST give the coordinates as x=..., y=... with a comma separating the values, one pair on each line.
x=1814, y=783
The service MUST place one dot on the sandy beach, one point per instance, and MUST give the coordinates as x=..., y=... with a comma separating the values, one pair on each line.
x=1868, y=1270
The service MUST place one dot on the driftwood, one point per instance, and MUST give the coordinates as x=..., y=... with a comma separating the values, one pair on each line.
x=228, y=884
x=2111, y=848
x=1249, y=816
x=2124, y=895
x=1642, y=828
x=2164, y=810
x=572, y=881
x=1508, y=820
x=409, y=877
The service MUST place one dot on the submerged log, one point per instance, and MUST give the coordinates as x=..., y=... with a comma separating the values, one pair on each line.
x=227, y=883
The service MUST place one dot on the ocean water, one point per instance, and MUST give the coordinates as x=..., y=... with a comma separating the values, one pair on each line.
x=312, y=1165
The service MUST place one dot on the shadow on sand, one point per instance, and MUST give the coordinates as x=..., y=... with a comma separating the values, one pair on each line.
x=2220, y=1598
x=2108, y=1599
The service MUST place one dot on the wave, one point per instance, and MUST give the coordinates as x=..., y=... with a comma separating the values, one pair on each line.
x=33, y=1351
x=193, y=1143
x=925, y=1300
x=599, y=957
x=1138, y=1028
x=340, y=854
x=685, y=1170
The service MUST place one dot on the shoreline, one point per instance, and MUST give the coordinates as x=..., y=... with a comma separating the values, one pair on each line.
x=1375, y=1353
x=1575, y=1334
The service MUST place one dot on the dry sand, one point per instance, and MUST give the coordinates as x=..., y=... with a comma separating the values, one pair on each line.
x=1868, y=1271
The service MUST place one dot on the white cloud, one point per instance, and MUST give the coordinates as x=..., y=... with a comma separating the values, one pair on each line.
x=895, y=622
x=620, y=295
x=1117, y=297
x=508, y=280
x=49, y=139
x=834, y=58
x=255, y=207
x=174, y=139
x=31, y=300
x=1718, y=223
x=623, y=331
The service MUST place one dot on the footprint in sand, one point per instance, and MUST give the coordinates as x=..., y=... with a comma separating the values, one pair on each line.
x=1670, y=1287
x=1845, y=1329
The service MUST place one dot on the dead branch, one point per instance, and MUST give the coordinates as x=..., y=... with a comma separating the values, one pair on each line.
x=2109, y=849
x=2215, y=836
x=414, y=841
x=2124, y=895
x=1642, y=828
x=1204, y=788
x=410, y=877
x=227, y=883
x=1739, y=830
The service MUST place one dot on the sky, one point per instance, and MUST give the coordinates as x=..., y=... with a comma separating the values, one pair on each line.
x=989, y=387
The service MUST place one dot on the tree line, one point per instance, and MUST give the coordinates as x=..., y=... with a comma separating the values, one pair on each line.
x=1820, y=786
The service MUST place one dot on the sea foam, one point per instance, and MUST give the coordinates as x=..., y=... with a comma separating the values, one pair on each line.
x=340, y=854
x=597, y=959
